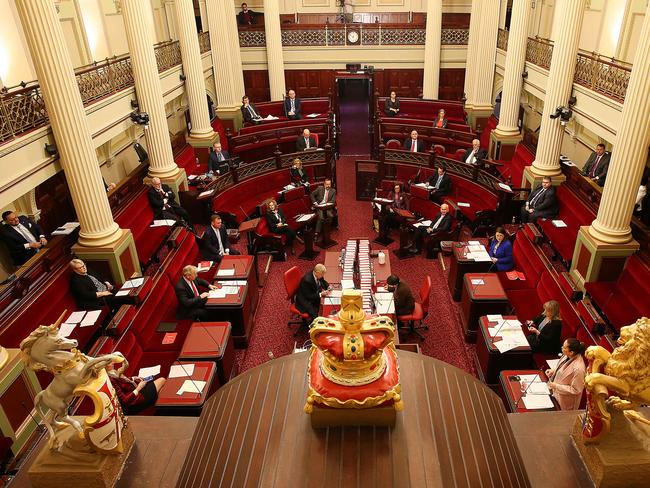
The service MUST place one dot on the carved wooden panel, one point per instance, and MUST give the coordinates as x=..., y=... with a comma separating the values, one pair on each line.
x=310, y=83
x=452, y=81
x=54, y=200
x=256, y=84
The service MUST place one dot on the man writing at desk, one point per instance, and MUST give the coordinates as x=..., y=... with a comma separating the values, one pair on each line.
x=312, y=287
x=191, y=302
x=323, y=195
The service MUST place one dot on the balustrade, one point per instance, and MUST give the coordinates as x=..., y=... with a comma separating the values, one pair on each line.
x=539, y=52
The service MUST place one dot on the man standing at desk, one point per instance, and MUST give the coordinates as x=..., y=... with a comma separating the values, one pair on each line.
x=191, y=302
x=215, y=241
x=218, y=160
x=311, y=288
x=323, y=195
x=292, y=106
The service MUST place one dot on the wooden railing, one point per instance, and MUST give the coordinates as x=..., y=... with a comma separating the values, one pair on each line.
x=606, y=76
x=539, y=52
x=22, y=107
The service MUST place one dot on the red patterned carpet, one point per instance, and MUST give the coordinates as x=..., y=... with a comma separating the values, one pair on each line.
x=443, y=340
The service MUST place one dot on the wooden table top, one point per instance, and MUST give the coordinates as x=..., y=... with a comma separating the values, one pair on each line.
x=453, y=432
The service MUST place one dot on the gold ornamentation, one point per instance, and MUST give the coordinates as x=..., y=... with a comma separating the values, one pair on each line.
x=619, y=380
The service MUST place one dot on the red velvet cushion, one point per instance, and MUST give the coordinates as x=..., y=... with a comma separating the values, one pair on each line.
x=328, y=389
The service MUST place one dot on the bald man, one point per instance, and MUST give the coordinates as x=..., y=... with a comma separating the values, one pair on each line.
x=440, y=223
x=311, y=288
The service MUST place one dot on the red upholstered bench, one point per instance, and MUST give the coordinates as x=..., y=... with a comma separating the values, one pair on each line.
x=574, y=214
x=413, y=108
x=514, y=169
x=528, y=261
x=308, y=106
x=491, y=124
x=138, y=217
x=625, y=300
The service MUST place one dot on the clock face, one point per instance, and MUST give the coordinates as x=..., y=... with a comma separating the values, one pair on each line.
x=353, y=37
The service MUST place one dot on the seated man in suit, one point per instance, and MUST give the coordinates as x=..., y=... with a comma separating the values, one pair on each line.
x=277, y=223
x=246, y=16
x=23, y=237
x=292, y=106
x=542, y=202
x=404, y=300
x=440, y=223
x=298, y=174
x=320, y=196
x=249, y=112
x=90, y=292
x=215, y=241
x=312, y=287
x=414, y=144
x=218, y=160
x=305, y=141
x=475, y=154
x=597, y=165
x=441, y=183
x=191, y=302
x=163, y=203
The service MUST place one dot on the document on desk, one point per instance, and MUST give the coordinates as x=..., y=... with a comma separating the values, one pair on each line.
x=90, y=318
x=226, y=272
x=538, y=388
x=476, y=248
x=383, y=200
x=494, y=318
x=191, y=386
x=481, y=256
x=384, y=302
x=180, y=370
x=347, y=284
x=304, y=217
x=504, y=346
x=75, y=317
x=122, y=293
x=134, y=283
x=477, y=281
x=163, y=222
x=230, y=290
x=220, y=293
x=424, y=185
x=150, y=371
x=424, y=223
x=537, y=402
x=474, y=243
x=462, y=204
x=66, y=329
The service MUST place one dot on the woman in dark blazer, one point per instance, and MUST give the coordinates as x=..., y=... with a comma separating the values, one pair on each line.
x=441, y=120
x=546, y=330
x=501, y=250
x=391, y=107
x=277, y=223
x=298, y=174
x=135, y=394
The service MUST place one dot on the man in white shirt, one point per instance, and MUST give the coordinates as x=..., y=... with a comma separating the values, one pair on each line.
x=23, y=237
x=215, y=241
x=475, y=154
x=292, y=106
x=440, y=223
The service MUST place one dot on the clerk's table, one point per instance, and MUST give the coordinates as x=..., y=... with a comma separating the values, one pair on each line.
x=238, y=308
x=482, y=295
x=188, y=403
x=462, y=262
x=490, y=361
x=514, y=391
x=211, y=341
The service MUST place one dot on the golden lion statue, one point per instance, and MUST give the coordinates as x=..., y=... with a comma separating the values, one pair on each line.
x=619, y=380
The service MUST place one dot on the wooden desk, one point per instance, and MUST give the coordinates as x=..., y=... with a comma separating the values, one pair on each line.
x=211, y=341
x=477, y=300
x=169, y=403
x=335, y=273
x=511, y=392
x=139, y=292
x=460, y=265
x=490, y=362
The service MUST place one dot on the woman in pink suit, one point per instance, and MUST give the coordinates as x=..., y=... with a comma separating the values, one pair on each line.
x=567, y=379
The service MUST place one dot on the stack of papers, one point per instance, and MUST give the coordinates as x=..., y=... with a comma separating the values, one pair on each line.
x=271, y=117
x=537, y=402
x=312, y=116
x=384, y=303
x=559, y=223
x=220, y=293
x=505, y=187
x=424, y=223
x=134, y=283
x=162, y=223
x=423, y=185
x=226, y=272
x=180, y=370
x=191, y=386
x=462, y=204
x=304, y=217
x=80, y=318
x=150, y=371
x=205, y=193
x=90, y=318
x=66, y=228
x=478, y=255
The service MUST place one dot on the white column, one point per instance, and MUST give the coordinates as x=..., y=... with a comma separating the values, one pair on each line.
x=612, y=224
x=68, y=120
x=226, y=58
x=474, y=38
x=193, y=70
x=432, y=50
x=274, y=57
x=515, y=61
x=558, y=85
x=137, y=13
x=484, y=56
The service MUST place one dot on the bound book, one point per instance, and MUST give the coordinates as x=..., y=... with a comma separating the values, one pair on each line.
x=170, y=338
x=516, y=275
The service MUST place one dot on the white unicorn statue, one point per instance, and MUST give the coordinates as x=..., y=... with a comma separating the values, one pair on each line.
x=74, y=373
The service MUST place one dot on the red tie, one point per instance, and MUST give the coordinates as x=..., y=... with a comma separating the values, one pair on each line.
x=414, y=145
x=194, y=289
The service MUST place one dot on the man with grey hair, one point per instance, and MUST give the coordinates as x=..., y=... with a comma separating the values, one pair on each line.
x=191, y=302
x=163, y=203
x=92, y=293
x=475, y=153
x=311, y=288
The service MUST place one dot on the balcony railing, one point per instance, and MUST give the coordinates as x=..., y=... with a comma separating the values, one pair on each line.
x=335, y=35
x=22, y=107
x=539, y=52
x=502, y=40
x=606, y=76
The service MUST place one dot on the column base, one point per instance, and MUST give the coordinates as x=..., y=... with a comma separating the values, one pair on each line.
x=502, y=146
x=477, y=116
x=202, y=145
x=118, y=260
x=595, y=260
x=177, y=181
x=231, y=117
x=532, y=177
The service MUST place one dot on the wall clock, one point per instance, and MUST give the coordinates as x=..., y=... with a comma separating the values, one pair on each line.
x=353, y=36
